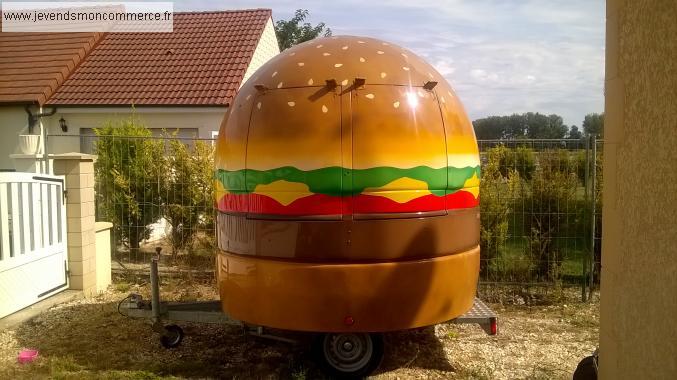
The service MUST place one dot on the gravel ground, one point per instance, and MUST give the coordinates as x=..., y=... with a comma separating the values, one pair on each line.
x=89, y=339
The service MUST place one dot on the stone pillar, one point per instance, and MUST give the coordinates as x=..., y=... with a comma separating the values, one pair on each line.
x=79, y=171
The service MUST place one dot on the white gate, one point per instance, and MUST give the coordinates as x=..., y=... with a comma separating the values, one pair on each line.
x=33, y=262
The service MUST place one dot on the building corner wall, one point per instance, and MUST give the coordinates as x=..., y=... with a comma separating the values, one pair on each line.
x=13, y=121
x=638, y=339
x=266, y=49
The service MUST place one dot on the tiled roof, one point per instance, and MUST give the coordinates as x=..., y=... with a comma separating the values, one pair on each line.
x=33, y=65
x=201, y=63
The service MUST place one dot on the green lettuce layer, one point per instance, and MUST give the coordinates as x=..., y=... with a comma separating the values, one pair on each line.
x=338, y=181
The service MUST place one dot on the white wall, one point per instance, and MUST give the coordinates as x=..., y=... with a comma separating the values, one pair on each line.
x=265, y=50
x=204, y=119
x=13, y=119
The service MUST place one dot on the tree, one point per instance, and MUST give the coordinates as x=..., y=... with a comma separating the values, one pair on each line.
x=515, y=126
x=532, y=125
x=129, y=171
x=490, y=128
x=574, y=133
x=540, y=126
x=292, y=32
x=594, y=124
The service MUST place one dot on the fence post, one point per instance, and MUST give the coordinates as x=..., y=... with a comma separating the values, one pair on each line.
x=584, y=287
x=79, y=171
x=593, y=196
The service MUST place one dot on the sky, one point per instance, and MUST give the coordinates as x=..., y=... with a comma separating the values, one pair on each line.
x=501, y=56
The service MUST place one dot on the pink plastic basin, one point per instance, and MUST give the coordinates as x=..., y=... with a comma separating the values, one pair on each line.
x=27, y=355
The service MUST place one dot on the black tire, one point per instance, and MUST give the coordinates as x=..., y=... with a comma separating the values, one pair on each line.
x=349, y=355
x=172, y=336
x=586, y=369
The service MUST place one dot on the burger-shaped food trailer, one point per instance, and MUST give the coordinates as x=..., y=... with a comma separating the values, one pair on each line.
x=347, y=188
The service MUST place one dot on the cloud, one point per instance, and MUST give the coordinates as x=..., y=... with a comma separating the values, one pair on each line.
x=501, y=56
x=444, y=67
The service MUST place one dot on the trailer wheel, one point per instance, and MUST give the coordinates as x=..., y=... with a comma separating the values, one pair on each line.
x=350, y=355
x=172, y=336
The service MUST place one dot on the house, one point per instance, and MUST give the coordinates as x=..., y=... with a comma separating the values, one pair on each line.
x=32, y=67
x=183, y=80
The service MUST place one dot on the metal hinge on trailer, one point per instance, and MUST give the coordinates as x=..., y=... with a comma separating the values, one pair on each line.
x=482, y=315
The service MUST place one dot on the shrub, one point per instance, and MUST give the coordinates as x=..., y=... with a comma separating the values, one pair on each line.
x=520, y=159
x=187, y=198
x=128, y=170
x=581, y=162
x=548, y=203
x=498, y=193
x=558, y=160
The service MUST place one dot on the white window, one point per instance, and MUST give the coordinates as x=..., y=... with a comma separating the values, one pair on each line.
x=187, y=135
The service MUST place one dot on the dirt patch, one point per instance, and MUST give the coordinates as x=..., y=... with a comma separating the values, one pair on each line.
x=88, y=338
